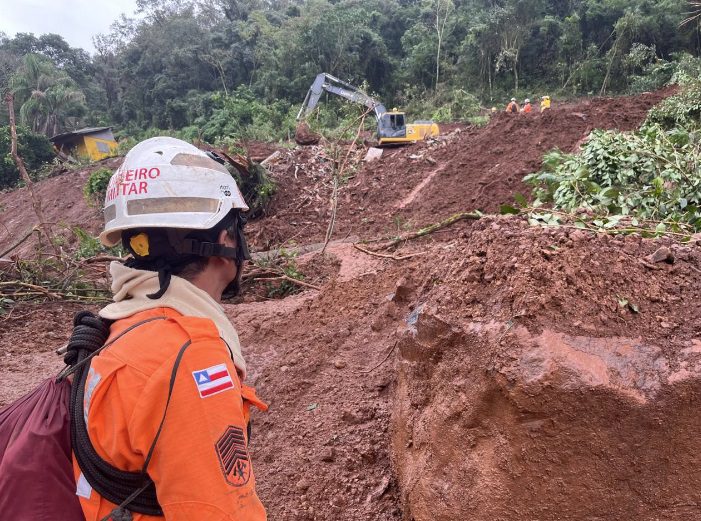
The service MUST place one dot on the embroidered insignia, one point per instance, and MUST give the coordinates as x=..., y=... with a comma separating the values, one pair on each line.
x=233, y=456
x=213, y=380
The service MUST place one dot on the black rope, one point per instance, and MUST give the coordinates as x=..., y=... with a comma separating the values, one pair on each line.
x=88, y=338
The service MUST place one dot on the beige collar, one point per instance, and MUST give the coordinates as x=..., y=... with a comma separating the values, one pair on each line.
x=131, y=287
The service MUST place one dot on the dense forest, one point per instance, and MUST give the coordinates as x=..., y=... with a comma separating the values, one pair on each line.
x=222, y=69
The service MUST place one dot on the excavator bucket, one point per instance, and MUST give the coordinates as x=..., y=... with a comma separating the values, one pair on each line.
x=304, y=135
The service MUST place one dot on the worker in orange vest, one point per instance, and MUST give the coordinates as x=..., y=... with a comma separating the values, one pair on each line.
x=527, y=107
x=512, y=107
x=165, y=398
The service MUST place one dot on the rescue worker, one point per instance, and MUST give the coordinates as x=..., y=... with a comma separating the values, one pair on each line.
x=527, y=107
x=544, y=103
x=512, y=107
x=178, y=213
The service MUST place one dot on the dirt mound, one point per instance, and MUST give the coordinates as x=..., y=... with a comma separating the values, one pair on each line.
x=551, y=375
x=502, y=374
x=469, y=168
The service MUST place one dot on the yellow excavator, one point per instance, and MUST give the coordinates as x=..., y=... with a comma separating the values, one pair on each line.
x=391, y=125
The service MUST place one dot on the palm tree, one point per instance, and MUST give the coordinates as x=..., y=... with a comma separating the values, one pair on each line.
x=694, y=14
x=47, y=96
x=61, y=102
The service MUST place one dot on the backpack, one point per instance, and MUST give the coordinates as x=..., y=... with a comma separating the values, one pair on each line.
x=40, y=432
x=36, y=469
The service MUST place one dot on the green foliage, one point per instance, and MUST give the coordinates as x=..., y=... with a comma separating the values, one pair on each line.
x=89, y=246
x=454, y=105
x=95, y=188
x=286, y=264
x=47, y=96
x=257, y=188
x=229, y=70
x=34, y=149
x=651, y=174
x=681, y=110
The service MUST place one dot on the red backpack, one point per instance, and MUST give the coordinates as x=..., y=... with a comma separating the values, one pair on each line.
x=36, y=468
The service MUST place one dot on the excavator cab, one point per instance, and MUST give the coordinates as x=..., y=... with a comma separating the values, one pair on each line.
x=392, y=129
x=391, y=125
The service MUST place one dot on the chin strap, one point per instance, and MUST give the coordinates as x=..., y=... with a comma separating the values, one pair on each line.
x=191, y=249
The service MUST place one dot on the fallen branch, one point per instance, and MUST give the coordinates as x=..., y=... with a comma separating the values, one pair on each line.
x=102, y=258
x=464, y=216
x=385, y=256
x=338, y=172
x=29, y=286
x=15, y=245
x=289, y=279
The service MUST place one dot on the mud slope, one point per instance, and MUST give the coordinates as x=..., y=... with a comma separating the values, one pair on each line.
x=472, y=168
x=529, y=387
x=324, y=362
x=63, y=204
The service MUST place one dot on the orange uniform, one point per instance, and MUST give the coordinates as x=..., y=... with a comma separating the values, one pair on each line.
x=200, y=464
x=527, y=108
x=512, y=107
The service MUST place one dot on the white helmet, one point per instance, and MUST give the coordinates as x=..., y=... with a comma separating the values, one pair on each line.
x=167, y=183
x=528, y=100
x=513, y=99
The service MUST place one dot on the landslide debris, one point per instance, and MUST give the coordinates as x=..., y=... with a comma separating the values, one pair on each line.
x=466, y=169
x=551, y=374
x=505, y=372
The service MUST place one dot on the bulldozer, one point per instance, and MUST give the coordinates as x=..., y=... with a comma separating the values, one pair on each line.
x=392, y=128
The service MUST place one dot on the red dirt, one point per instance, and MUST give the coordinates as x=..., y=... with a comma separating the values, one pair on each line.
x=526, y=390
x=479, y=168
x=499, y=374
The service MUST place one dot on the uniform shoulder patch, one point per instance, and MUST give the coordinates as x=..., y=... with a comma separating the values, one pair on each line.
x=233, y=456
x=213, y=380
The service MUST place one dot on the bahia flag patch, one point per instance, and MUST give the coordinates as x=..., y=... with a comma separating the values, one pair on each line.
x=213, y=380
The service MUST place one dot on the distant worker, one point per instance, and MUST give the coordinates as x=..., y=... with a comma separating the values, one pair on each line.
x=512, y=107
x=172, y=348
x=527, y=107
x=545, y=103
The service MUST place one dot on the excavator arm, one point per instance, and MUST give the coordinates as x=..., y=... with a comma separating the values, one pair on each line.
x=391, y=126
x=327, y=83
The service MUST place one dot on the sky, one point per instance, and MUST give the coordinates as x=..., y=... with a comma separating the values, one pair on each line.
x=76, y=20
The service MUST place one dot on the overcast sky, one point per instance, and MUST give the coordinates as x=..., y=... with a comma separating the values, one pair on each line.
x=76, y=20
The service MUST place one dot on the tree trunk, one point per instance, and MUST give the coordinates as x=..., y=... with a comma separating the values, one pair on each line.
x=36, y=203
x=438, y=60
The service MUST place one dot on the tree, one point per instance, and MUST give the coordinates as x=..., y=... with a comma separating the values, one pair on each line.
x=443, y=10
x=48, y=96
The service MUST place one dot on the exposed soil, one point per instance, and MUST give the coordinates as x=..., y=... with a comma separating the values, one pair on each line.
x=470, y=168
x=503, y=372
x=529, y=387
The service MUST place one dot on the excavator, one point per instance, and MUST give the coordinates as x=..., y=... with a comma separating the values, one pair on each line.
x=392, y=128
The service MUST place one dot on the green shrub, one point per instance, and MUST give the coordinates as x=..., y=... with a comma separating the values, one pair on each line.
x=89, y=246
x=96, y=186
x=34, y=149
x=682, y=110
x=650, y=174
